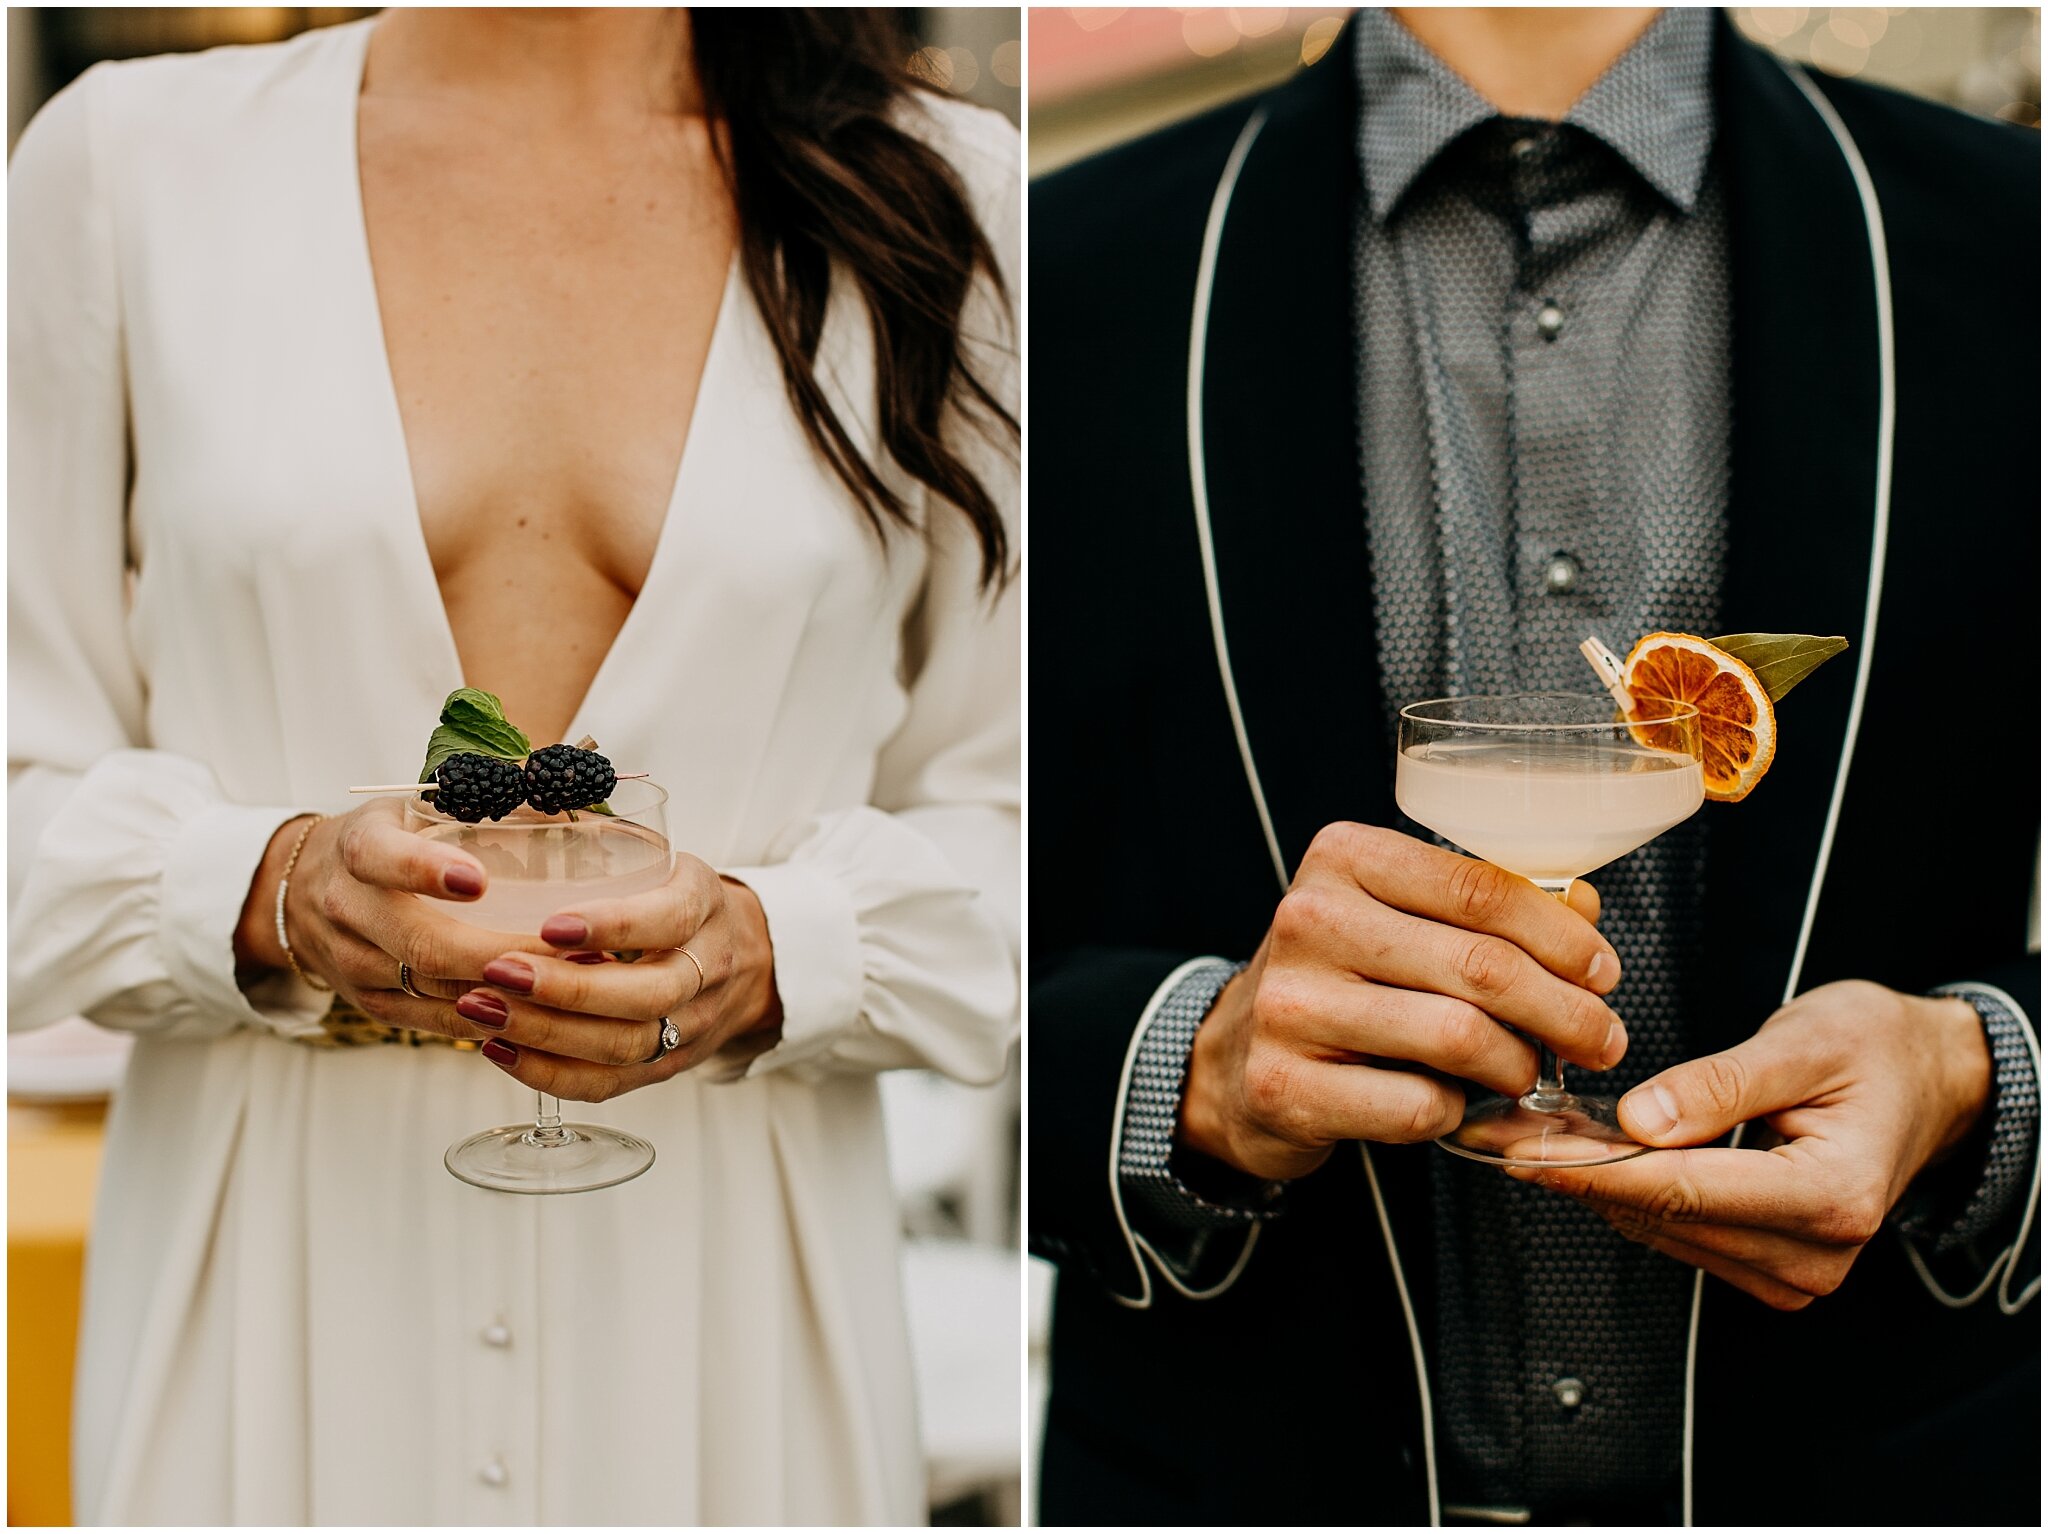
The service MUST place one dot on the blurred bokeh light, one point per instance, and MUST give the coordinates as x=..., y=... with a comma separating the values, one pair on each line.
x=1984, y=59
x=1100, y=76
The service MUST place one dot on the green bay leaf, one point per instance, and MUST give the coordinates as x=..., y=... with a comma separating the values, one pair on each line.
x=1781, y=661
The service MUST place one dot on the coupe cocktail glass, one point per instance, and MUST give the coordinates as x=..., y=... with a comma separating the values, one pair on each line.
x=534, y=866
x=1550, y=786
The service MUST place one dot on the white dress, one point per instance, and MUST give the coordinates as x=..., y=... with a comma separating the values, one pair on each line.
x=293, y=1313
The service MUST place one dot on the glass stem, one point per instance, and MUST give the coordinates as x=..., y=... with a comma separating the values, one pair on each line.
x=547, y=1122
x=1549, y=1095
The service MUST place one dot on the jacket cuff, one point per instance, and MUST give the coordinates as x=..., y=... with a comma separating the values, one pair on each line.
x=1978, y=1204
x=1159, y=1199
x=1186, y=1233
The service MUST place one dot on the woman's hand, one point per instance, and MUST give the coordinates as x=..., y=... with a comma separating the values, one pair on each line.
x=582, y=1025
x=352, y=918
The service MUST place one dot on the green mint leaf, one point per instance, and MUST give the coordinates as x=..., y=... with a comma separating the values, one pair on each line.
x=447, y=741
x=494, y=738
x=1781, y=661
x=481, y=717
x=600, y=808
x=472, y=700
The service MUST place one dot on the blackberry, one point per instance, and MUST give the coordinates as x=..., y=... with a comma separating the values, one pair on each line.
x=476, y=787
x=563, y=778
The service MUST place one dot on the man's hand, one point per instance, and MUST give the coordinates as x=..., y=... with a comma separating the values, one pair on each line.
x=1388, y=954
x=1858, y=1088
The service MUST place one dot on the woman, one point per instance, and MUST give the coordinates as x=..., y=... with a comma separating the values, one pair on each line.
x=651, y=370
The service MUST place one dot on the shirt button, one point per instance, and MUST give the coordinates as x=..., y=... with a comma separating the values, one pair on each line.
x=1561, y=574
x=494, y=1473
x=1524, y=149
x=1550, y=320
x=1569, y=1392
x=498, y=1335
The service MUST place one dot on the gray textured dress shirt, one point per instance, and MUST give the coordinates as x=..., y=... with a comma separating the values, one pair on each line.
x=1544, y=319
x=1543, y=314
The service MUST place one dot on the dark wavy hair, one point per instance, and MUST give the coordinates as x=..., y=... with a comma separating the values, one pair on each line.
x=822, y=174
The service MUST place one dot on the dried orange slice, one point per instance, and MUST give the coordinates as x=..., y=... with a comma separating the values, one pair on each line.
x=1738, y=729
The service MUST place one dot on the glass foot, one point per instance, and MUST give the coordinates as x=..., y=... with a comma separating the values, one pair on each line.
x=517, y=1158
x=1506, y=1131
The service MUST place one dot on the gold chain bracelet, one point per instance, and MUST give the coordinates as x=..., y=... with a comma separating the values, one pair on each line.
x=284, y=883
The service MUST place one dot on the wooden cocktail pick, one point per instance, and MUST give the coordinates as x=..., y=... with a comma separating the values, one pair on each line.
x=423, y=789
x=1608, y=665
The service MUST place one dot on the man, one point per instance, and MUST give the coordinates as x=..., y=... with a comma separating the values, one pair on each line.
x=1489, y=331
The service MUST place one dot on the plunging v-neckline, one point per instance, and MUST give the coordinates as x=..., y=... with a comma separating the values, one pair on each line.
x=419, y=560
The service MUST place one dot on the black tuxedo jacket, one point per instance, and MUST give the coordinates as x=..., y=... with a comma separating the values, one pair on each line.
x=1292, y=1396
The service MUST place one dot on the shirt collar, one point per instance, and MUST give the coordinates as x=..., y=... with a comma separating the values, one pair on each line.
x=1654, y=106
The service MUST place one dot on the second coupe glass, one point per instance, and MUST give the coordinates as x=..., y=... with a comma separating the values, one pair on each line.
x=1550, y=786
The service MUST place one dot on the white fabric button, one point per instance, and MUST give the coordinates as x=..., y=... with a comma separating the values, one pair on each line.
x=1569, y=1392
x=1550, y=320
x=1561, y=573
x=494, y=1473
x=498, y=1335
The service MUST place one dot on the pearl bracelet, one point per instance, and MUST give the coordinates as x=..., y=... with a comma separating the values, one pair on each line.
x=283, y=883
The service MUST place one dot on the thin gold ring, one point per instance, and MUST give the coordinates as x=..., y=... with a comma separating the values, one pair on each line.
x=405, y=982
x=700, y=973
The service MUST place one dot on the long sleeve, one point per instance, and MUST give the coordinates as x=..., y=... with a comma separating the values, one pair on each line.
x=1194, y=1217
x=1972, y=1226
x=897, y=925
x=1110, y=1193
x=128, y=867
x=1088, y=1004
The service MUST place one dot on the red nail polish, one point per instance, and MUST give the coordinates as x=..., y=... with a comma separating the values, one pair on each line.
x=512, y=974
x=565, y=931
x=498, y=1052
x=588, y=957
x=461, y=879
x=484, y=1009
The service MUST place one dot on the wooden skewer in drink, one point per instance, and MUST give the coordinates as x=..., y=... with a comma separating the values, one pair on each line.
x=423, y=789
x=1610, y=669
